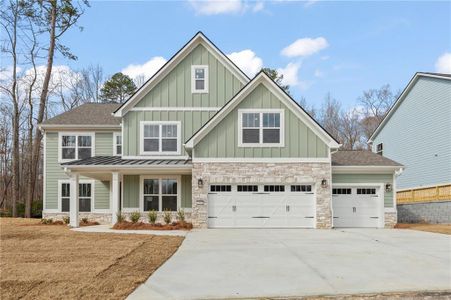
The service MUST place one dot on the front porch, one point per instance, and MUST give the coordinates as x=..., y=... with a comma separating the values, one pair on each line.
x=136, y=185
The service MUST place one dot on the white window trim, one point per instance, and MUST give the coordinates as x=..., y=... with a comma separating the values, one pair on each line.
x=159, y=123
x=93, y=188
x=193, y=79
x=76, y=134
x=115, y=134
x=381, y=152
x=261, y=144
x=160, y=201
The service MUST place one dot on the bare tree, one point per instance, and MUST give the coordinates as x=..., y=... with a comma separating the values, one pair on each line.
x=310, y=109
x=330, y=116
x=351, y=129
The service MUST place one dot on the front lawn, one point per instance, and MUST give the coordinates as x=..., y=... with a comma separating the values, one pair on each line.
x=437, y=228
x=50, y=261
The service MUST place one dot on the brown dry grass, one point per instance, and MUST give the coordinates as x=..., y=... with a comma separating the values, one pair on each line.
x=125, y=225
x=437, y=228
x=43, y=262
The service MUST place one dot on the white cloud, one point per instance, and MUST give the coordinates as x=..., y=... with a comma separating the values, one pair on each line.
x=247, y=61
x=217, y=7
x=145, y=70
x=443, y=63
x=305, y=47
x=310, y=3
x=290, y=74
x=318, y=73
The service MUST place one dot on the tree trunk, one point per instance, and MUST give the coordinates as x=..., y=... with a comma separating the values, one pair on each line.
x=44, y=94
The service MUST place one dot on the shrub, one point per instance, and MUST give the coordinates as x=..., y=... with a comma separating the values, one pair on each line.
x=181, y=215
x=66, y=220
x=84, y=220
x=167, y=216
x=47, y=221
x=134, y=216
x=152, y=215
x=120, y=217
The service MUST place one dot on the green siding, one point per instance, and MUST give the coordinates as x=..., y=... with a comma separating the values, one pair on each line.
x=186, y=191
x=300, y=141
x=131, y=191
x=174, y=90
x=367, y=178
x=54, y=172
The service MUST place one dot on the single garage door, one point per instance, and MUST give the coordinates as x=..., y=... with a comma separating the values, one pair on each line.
x=357, y=206
x=256, y=206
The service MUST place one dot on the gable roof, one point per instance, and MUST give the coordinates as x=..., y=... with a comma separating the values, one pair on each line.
x=403, y=95
x=198, y=39
x=263, y=78
x=343, y=158
x=86, y=115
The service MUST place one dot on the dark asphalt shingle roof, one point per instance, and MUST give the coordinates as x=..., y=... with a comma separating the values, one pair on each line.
x=118, y=161
x=361, y=158
x=87, y=114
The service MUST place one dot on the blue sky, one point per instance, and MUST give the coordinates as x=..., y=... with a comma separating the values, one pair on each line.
x=344, y=47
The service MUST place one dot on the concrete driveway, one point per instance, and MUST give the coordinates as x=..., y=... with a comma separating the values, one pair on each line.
x=225, y=263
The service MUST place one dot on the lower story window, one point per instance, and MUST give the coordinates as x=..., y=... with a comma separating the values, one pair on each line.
x=84, y=197
x=160, y=194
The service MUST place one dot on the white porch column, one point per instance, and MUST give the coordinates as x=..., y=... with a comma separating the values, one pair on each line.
x=73, y=206
x=115, y=194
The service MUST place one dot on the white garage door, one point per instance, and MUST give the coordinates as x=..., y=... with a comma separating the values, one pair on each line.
x=357, y=206
x=256, y=206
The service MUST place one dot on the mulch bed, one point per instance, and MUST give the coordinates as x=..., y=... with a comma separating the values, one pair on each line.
x=126, y=225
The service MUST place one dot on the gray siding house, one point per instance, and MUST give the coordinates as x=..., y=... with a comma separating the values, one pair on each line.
x=417, y=132
x=230, y=151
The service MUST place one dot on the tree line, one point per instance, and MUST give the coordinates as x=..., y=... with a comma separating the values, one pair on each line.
x=33, y=88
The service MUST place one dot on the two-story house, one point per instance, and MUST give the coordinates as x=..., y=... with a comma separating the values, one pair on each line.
x=230, y=151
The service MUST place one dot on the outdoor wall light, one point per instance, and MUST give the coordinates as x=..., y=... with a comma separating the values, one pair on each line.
x=324, y=183
x=388, y=187
x=200, y=182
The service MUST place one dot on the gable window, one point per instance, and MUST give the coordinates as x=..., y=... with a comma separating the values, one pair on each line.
x=380, y=149
x=160, y=138
x=117, y=144
x=260, y=128
x=160, y=194
x=76, y=146
x=85, y=196
x=199, y=79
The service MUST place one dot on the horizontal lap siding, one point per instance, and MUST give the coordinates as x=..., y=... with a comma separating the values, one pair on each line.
x=418, y=134
x=300, y=141
x=367, y=178
x=54, y=171
x=175, y=91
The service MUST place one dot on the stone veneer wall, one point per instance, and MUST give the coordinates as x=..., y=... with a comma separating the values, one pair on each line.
x=261, y=173
x=390, y=219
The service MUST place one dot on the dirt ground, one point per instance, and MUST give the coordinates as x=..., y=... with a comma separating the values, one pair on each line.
x=50, y=261
x=437, y=228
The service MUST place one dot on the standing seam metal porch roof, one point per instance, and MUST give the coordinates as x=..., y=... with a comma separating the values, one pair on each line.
x=118, y=161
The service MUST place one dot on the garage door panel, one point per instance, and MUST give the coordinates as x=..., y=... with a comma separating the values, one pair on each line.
x=273, y=206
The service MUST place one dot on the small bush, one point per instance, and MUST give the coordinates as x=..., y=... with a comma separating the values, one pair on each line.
x=47, y=221
x=120, y=217
x=167, y=216
x=134, y=216
x=84, y=220
x=66, y=220
x=152, y=215
x=181, y=215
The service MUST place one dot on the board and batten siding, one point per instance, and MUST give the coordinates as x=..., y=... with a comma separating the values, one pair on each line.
x=131, y=195
x=174, y=90
x=418, y=134
x=300, y=140
x=367, y=178
x=54, y=172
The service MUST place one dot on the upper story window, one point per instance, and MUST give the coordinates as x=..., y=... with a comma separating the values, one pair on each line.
x=260, y=128
x=380, y=149
x=75, y=146
x=117, y=144
x=199, y=79
x=160, y=137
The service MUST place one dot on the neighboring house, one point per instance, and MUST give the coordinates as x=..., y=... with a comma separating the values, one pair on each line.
x=228, y=150
x=417, y=133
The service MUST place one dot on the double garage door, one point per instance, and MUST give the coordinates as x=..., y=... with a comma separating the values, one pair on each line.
x=256, y=206
x=357, y=207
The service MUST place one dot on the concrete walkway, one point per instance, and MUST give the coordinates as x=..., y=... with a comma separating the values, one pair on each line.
x=107, y=229
x=289, y=262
